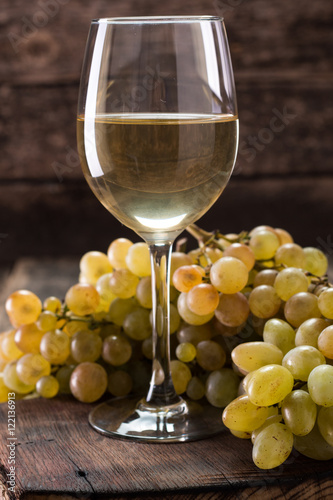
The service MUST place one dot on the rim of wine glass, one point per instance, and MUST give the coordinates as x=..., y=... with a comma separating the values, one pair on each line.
x=156, y=19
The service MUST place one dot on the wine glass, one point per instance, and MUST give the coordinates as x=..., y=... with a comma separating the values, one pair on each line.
x=157, y=135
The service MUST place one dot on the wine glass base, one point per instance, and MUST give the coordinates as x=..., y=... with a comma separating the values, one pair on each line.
x=132, y=418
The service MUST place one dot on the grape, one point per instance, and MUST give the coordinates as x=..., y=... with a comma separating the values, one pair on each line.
x=93, y=265
x=47, y=386
x=82, y=299
x=117, y=252
x=144, y=293
x=301, y=360
x=315, y=261
x=88, y=382
x=4, y=390
x=221, y=387
x=104, y=290
x=264, y=301
x=279, y=333
x=52, y=304
x=86, y=346
x=274, y=419
x=47, y=321
x=325, y=424
x=138, y=259
x=116, y=350
x=283, y=236
x=179, y=259
x=205, y=256
x=240, y=434
x=241, y=252
x=242, y=415
x=325, y=303
x=195, y=389
x=186, y=277
x=31, y=367
x=147, y=348
x=23, y=307
x=229, y=275
x=265, y=277
x=290, y=281
x=233, y=309
x=313, y=445
x=28, y=337
x=9, y=347
x=203, y=299
x=194, y=333
x=300, y=307
x=12, y=381
x=269, y=385
x=120, y=383
x=261, y=228
x=264, y=244
x=119, y=309
x=291, y=255
x=210, y=355
x=137, y=324
x=123, y=283
x=325, y=342
x=109, y=329
x=181, y=375
x=272, y=446
x=320, y=385
x=253, y=355
x=187, y=315
x=55, y=347
x=186, y=352
x=309, y=331
x=63, y=376
x=299, y=412
x=174, y=318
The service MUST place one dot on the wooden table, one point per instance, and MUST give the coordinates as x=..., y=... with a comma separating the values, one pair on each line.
x=58, y=455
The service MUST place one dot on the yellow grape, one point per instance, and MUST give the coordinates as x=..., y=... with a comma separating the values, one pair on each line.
x=309, y=331
x=241, y=434
x=88, y=382
x=264, y=244
x=116, y=350
x=203, y=299
x=242, y=415
x=313, y=445
x=181, y=375
x=315, y=261
x=291, y=255
x=195, y=389
x=265, y=277
x=269, y=385
x=261, y=228
x=4, y=390
x=279, y=333
x=117, y=252
x=325, y=303
x=264, y=301
x=300, y=307
x=320, y=385
x=229, y=275
x=187, y=315
x=205, y=256
x=250, y=356
x=272, y=446
x=186, y=277
x=325, y=424
x=210, y=355
x=52, y=304
x=290, y=281
x=174, y=319
x=119, y=309
x=179, y=259
x=31, y=367
x=47, y=386
x=28, y=337
x=23, y=307
x=138, y=259
x=93, y=265
x=47, y=321
x=120, y=383
x=233, y=309
x=104, y=290
x=86, y=346
x=144, y=293
x=222, y=387
x=241, y=252
x=63, y=376
x=273, y=419
x=12, y=381
x=137, y=324
x=325, y=342
x=55, y=347
x=299, y=412
x=301, y=360
x=82, y=299
x=186, y=352
x=123, y=283
x=9, y=347
x=283, y=236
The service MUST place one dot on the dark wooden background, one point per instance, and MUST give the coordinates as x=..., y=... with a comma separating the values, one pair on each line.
x=282, y=57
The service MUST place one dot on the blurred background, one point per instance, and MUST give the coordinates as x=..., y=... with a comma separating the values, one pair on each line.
x=282, y=58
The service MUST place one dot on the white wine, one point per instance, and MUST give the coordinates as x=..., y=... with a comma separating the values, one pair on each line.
x=157, y=173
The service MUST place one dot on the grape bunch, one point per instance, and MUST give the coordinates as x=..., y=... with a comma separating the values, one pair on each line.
x=251, y=323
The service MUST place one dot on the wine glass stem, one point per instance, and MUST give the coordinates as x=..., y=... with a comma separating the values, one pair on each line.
x=161, y=392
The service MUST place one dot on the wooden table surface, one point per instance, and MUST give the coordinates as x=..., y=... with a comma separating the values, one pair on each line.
x=58, y=455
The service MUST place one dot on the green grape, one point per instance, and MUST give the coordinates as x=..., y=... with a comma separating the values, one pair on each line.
x=82, y=299
x=104, y=290
x=174, y=319
x=273, y=419
x=63, y=376
x=252, y=275
x=279, y=333
x=88, y=382
x=300, y=307
x=229, y=275
x=301, y=360
x=181, y=375
x=325, y=303
x=4, y=390
x=202, y=299
x=52, y=304
x=186, y=352
x=93, y=265
x=138, y=259
x=250, y=356
x=269, y=385
x=264, y=244
x=147, y=348
x=117, y=252
x=187, y=315
x=313, y=445
x=264, y=301
x=283, y=236
x=47, y=386
x=120, y=308
x=210, y=355
x=233, y=309
x=116, y=350
x=9, y=347
x=120, y=383
x=31, y=367
x=265, y=277
x=299, y=412
x=291, y=255
x=320, y=385
x=290, y=281
x=241, y=252
x=144, y=293
x=186, y=277
x=72, y=327
x=47, y=321
x=315, y=261
x=86, y=346
x=242, y=415
x=309, y=331
x=194, y=333
x=272, y=446
x=178, y=259
x=325, y=342
x=12, y=381
x=23, y=307
x=195, y=389
x=123, y=283
x=55, y=347
x=221, y=387
x=109, y=329
x=137, y=324
x=325, y=424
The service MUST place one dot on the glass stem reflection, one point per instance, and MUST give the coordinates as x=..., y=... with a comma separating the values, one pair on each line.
x=161, y=391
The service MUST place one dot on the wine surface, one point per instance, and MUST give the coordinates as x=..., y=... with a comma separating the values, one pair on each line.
x=157, y=173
